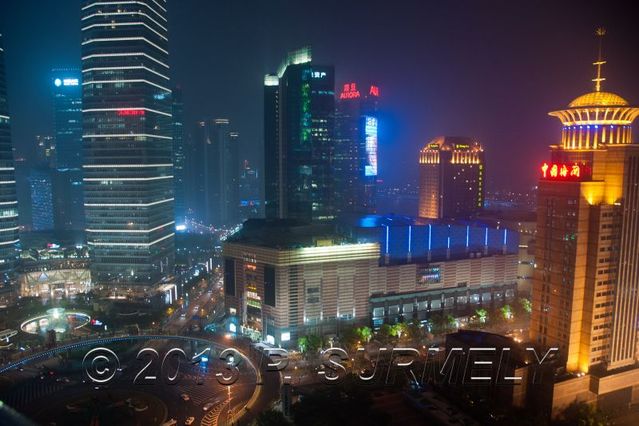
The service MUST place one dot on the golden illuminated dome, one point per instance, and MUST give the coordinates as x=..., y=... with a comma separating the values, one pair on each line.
x=598, y=99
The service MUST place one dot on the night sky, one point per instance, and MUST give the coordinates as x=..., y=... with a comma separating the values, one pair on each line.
x=488, y=69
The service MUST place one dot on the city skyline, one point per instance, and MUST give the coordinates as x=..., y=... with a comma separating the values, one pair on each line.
x=438, y=94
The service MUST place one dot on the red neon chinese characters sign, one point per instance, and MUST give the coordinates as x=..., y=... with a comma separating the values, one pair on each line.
x=374, y=91
x=350, y=91
x=561, y=171
x=130, y=112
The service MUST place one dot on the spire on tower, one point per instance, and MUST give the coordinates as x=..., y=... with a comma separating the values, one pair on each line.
x=600, y=32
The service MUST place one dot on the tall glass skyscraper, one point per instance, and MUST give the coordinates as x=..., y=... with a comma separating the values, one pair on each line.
x=8, y=202
x=178, y=156
x=299, y=114
x=67, y=177
x=128, y=156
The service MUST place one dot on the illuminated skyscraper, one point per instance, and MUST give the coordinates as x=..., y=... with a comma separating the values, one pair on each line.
x=451, y=178
x=8, y=202
x=299, y=118
x=67, y=190
x=128, y=164
x=585, y=285
x=355, y=158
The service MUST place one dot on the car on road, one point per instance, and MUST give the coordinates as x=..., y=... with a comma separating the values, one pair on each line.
x=189, y=421
x=170, y=422
x=185, y=397
x=208, y=406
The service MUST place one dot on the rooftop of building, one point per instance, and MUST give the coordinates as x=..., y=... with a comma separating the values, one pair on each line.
x=289, y=234
x=452, y=143
x=603, y=99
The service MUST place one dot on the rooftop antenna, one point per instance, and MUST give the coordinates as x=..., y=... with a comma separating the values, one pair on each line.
x=600, y=32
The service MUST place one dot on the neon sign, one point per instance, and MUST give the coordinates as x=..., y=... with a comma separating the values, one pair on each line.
x=350, y=91
x=130, y=112
x=561, y=171
x=374, y=91
x=370, y=132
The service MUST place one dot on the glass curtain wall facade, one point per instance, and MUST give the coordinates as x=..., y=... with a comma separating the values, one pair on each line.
x=128, y=164
x=178, y=156
x=8, y=202
x=299, y=143
x=67, y=176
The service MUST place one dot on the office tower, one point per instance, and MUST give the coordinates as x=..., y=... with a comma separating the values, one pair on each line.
x=250, y=194
x=221, y=172
x=585, y=286
x=272, y=170
x=451, y=178
x=8, y=202
x=67, y=112
x=355, y=159
x=42, y=206
x=195, y=171
x=298, y=139
x=67, y=178
x=178, y=156
x=128, y=157
x=230, y=180
x=45, y=151
x=215, y=135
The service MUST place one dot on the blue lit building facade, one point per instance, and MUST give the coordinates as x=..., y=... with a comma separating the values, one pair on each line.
x=127, y=132
x=452, y=268
x=9, y=238
x=42, y=206
x=356, y=139
x=67, y=178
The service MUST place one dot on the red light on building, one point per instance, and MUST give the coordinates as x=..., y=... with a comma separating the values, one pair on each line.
x=350, y=91
x=130, y=112
x=560, y=171
x=374, y=91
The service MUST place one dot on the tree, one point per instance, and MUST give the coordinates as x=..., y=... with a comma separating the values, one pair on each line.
x=365, y=334
x=526, y=305
x=583, y=414
x=385, y=332
x=451, y=321
x=271, y=418
x=482, y=315
x=302, y=344
x=506, y=312
x=400, y=329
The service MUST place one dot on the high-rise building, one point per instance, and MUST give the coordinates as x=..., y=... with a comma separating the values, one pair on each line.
x=585, y=286
x=355, y=158
x=216, y=153
x=298, y=139
x=67, y=178
x=8, y=202
x=451, y=178
x=195, y=171
x=178, y=156
x=45, y=151
x=42, y=206
x=67, y=111
x=250, y=194
x=128, y=156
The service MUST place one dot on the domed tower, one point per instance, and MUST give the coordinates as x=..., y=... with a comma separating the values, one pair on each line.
x=598, y=117
x=585, y=286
